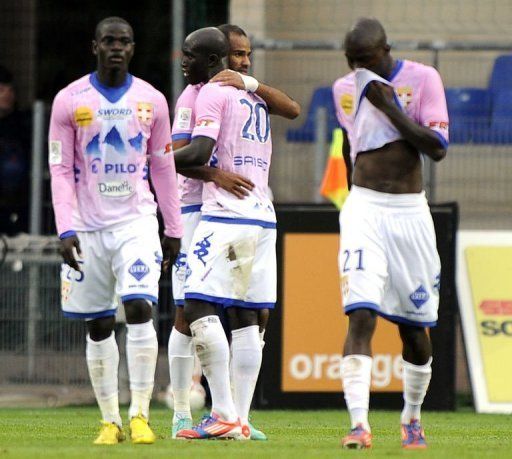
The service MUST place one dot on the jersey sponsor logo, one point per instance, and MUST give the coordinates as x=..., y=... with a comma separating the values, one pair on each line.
x=250, y=161
x=55, y=152
x=112, y=168
x=404, y=94
x=345, y=287
x=83, y=116
x=347, y=103
x=184, y=117
x=202, y=248
x=438, y=125
x=419, y=297
x=114, y=113
x=206, y=123
x=115, y=189
x=139, y=269
x=145, y=112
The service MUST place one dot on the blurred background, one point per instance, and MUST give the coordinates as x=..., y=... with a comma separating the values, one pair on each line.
x=297, y=47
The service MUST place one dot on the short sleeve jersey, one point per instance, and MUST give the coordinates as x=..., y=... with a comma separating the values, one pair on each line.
x=106, y=135
x=239, y=122
x=190, y=190
x=421, y=93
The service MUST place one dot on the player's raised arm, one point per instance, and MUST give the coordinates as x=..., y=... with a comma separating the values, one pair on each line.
x=422, y=138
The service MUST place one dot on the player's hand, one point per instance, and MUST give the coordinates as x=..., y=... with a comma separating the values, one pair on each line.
x=233, y=183
x=68, y=254
x=229, y=78
x=380, y=95
x=170, y=250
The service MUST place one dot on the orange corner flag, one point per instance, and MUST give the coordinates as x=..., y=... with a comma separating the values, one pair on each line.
x=334, y=184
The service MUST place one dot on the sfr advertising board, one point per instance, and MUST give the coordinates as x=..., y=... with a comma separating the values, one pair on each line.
x=484, y=281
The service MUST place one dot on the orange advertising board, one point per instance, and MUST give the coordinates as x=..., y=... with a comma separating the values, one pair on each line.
x=314, y=325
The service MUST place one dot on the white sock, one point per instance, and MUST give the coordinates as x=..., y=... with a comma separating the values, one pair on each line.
x=103, y=363
x=416, y=379
x=245, y=363
x=262, y=339
x=141, y=354
x=181, y=368
x=357, y=373
x=212, y=349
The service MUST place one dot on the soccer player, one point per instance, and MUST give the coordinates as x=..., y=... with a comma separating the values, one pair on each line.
x=104, y=129
x=388, y=261
x=232, y=255
x=180, y=343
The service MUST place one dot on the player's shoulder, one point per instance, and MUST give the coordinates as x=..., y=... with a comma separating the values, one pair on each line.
x=147, y=90
x=419, y=68
x=75, y=88
x=189, y=95
x=345, y=84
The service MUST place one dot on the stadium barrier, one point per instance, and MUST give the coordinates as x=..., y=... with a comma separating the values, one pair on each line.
x=302, y=356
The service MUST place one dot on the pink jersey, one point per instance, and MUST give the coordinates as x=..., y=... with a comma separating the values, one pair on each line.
x=240, y=124
x=190, y=190
x=100, y=142
x=421, y=93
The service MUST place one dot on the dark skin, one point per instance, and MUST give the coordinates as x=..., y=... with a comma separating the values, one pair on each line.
x=395, y=168
x=202, y=61
x=114, y=47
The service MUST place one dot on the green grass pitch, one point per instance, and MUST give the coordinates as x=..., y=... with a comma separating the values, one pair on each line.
x=69, y=432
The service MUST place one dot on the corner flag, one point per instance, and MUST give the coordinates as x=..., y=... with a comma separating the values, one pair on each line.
x=334, y=184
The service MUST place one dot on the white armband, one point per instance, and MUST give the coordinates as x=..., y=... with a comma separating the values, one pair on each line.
x=251, y=84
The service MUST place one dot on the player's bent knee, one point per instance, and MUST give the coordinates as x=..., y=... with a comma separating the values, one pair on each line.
x=101, y=328
x=196, y=309
x=242, y=317
x=138, y=311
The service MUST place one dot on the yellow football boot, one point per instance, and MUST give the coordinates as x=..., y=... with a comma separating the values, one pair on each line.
x=140, y=431
x=110, y=434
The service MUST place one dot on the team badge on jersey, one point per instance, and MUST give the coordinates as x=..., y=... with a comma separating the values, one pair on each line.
x=345, y=289
x=405, y=95
x=83, y=116
x=347, y=103
x=145, y=112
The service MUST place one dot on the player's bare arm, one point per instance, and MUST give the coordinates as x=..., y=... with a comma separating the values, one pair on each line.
x=422, y=138
x=345, y=150
x=233, y=183
x=67, y=249
x=277, y=101
x=170, y=250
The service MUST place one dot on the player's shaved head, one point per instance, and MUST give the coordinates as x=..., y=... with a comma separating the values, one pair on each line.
x=208, y=40
x=366, y=46
x=111, y=20
x=366, y=33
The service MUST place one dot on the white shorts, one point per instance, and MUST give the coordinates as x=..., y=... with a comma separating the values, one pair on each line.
x=125, y=261
x=190, y=217
x=388, y=259
x=233, y=263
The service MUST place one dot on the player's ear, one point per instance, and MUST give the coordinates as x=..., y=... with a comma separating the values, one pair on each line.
x=213, y=60
x=94, y=47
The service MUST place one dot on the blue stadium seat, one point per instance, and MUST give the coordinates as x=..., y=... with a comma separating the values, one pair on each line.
x=469, y=110
x=501, y=121
x=322, y=97
x=501, y=75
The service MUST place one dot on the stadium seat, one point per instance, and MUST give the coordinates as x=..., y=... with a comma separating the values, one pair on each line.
x=501, y=75
x=469, y=110
x=501, y=121
x=322, y=98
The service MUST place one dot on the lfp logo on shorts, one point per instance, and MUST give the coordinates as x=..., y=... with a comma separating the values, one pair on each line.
x=139, y=269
